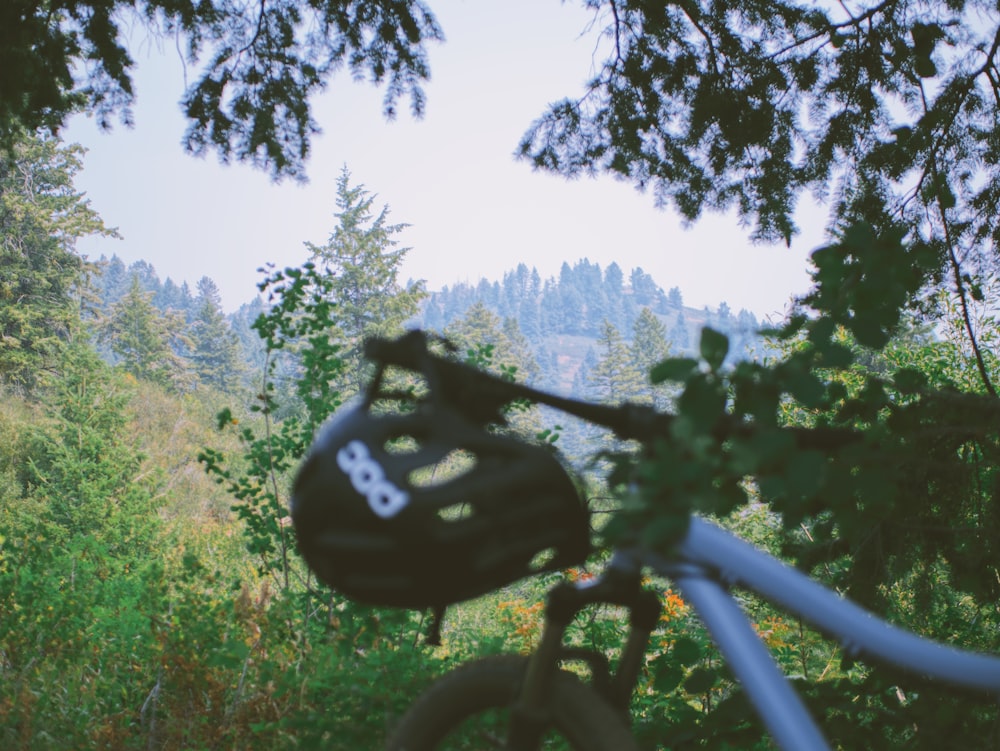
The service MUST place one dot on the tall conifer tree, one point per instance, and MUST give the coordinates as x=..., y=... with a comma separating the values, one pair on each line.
x=215, y=348
x=41, y=218
x=362, y=257
x=144, y=339
x=649, y=346
x=616, y=377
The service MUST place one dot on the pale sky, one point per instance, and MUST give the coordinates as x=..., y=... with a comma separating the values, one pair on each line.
x=473, y=210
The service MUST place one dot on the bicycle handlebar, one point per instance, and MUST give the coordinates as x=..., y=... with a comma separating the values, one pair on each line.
x=481, y=395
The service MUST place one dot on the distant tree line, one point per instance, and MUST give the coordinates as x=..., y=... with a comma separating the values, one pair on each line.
x=581, y=303
x=166, y=331
x=577, y=302
x=163, y=330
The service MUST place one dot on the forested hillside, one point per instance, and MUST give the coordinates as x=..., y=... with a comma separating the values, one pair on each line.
x=589, y=333
x=562, y=319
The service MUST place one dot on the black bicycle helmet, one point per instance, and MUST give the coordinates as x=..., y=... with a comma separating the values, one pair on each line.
x=370, y=528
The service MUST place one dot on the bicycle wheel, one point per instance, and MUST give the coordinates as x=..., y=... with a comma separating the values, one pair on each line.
x=468, y=709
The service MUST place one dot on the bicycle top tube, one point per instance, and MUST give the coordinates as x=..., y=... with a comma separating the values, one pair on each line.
x=862, y=634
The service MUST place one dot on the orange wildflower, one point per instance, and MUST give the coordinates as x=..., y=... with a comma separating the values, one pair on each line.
x=578, y=575
x=674, y=607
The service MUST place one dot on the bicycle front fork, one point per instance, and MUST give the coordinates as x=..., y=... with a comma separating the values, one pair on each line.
x=565, y=601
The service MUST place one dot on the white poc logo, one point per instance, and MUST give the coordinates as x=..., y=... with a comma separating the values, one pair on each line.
x=368, y=478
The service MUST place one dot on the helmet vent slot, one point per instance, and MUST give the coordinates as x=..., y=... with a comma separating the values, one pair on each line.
x=401, y=445
x=451, y=466
x=542, y=560
x=456, y=512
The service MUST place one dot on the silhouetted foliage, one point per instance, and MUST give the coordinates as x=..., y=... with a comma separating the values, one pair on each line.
x=256, y=66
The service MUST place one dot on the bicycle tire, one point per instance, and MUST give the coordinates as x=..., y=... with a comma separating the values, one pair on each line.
x=460, y=701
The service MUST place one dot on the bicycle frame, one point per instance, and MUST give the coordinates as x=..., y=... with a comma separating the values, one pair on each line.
x=704, y=565
x=710, y=561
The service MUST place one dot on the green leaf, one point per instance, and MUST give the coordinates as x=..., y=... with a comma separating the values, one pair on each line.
x=665, y=530
x=224, y=418
x=700, y=681
x=807, y=389
x=868, y=331
x=925, y=67
x=821, y=330
x=673, y=369
x=703, y=402
x=686, y=651
x=859, y=238
x=835, y=356
x=945, y=195
x=925, y=37
x=909, y=380
x=714, y=347
x=805, y=474
x=667, y=677
x=765, y=448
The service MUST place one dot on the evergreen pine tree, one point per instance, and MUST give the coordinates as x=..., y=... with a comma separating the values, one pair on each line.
x=679, y=337
x=518, y=345
x=479, y=326
x=112, y=280
x=551, y=313
x=145, y=272
x=250, y=343
x=215, y=347
x=362, y=260
x=41, y=218
x=616, y=377
x=178, y=298
x=649, y=346
x=614, y=295
x=86, y=465
x=143, y=338
x=644, y=289
x=675, y=299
